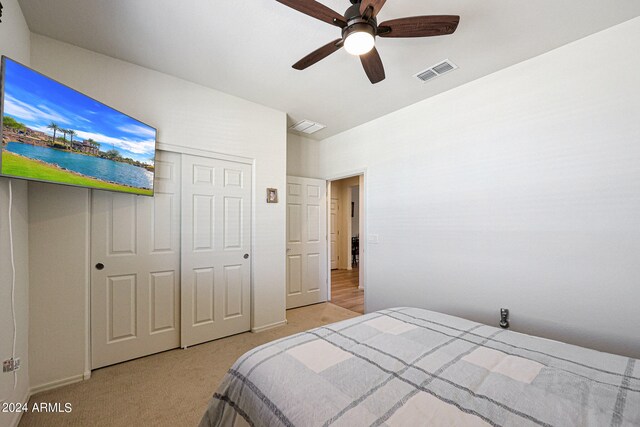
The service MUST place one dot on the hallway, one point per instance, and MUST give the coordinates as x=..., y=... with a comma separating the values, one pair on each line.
x=345, y=292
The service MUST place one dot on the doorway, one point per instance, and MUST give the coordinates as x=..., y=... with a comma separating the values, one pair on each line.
x=346, y=227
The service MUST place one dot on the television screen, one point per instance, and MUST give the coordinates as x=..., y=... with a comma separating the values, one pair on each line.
x=52, y=133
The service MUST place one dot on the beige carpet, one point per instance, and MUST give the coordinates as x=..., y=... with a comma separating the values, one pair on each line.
x=170, y=388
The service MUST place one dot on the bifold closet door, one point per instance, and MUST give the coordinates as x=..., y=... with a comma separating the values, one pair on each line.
x=135, y=283
x=306, y=241
x=216, y=243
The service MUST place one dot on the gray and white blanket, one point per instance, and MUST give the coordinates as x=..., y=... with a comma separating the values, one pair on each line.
x=412, y=367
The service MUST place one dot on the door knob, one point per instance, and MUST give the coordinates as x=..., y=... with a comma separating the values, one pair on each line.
x=246, y=256
x=99, y=266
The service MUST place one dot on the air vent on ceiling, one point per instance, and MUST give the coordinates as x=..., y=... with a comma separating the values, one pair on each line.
x=307, y=126
x=436, y=71
x=425, y=76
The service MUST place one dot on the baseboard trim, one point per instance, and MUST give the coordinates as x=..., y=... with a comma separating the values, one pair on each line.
x=57, y=384
x=270, y=326
x=86, y=375
x=18, y=415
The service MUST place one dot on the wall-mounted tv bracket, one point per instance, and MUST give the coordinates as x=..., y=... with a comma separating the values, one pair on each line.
x=504, y=318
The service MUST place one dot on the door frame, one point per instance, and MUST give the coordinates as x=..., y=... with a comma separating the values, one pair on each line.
x=330, y=229
x=362, y=276
x=179, y=150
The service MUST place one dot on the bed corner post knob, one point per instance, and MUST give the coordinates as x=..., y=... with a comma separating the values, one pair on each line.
x=504, y=318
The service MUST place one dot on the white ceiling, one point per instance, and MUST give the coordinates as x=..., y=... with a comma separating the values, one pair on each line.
x=246, y=48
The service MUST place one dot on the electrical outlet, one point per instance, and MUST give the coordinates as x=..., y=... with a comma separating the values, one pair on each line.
x=11, y=365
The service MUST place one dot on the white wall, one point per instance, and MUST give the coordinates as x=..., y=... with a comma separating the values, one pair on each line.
x=518, y=190
x=302, y=156
x=58, y=235
x=15, y=38
x=14, y=43
x=187, y=115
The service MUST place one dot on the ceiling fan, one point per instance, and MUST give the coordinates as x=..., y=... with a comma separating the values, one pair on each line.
x=360, y=28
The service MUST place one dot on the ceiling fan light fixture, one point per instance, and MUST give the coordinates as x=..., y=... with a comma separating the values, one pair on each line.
x=359, y=39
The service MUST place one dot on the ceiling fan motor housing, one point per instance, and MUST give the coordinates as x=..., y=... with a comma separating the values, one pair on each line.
x=356, y=27
x=356, y=23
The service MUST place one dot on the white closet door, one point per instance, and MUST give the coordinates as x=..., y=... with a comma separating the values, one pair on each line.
x=216, y=242
x=306, y=241
x=135, y=297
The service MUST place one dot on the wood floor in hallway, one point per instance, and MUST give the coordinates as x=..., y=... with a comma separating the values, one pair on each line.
x=345, y=292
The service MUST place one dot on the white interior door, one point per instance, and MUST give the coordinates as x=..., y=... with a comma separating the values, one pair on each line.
x=306, y=241
x=216, y=243
x=334, y=233
x=135, y=297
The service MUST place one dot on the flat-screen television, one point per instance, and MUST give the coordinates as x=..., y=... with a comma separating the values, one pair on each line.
x=52, y=133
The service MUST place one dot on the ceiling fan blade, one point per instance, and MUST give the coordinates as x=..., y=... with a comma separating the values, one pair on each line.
x=316, y=10
x=419, y=26
x=375, y=5
x=373, y=66
x=318, y=54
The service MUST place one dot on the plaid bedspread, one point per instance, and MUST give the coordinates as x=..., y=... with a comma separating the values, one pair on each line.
x=412, y=367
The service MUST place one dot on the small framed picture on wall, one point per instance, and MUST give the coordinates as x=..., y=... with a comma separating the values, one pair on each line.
x=272, y=195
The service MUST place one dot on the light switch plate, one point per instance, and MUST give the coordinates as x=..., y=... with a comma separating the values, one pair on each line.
x=374, y=239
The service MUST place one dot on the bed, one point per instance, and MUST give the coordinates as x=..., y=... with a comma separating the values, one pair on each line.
x=409, y=367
